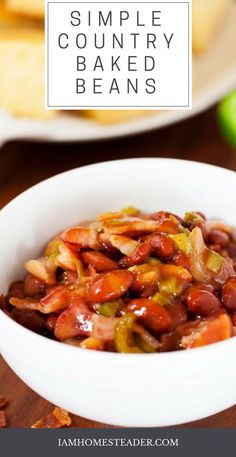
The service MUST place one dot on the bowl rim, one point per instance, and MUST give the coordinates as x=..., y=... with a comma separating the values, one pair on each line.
x=210, y=349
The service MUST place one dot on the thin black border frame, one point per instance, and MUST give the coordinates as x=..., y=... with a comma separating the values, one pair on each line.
x=101, y=107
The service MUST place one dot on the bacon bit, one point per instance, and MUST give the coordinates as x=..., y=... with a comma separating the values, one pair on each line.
x=3, y=402
x=130, y=226
x=58, y=418
x=3, y=421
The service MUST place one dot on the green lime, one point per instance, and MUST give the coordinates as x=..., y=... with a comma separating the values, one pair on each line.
x=227, y=117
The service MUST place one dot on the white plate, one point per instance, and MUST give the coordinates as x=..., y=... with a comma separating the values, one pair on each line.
x=214, y=74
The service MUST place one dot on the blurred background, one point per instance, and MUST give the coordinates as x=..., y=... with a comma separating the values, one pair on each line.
x=35, y=146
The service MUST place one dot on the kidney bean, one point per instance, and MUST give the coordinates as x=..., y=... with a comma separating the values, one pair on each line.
x=162, y=245
x=202, y=302
x=32, y=286
x=50, y=322
x=16, y=285
x=233, y=319
x=99, y=261
x=219, y=237
x=110, y=286
x=231, y=250
x=181, y=260
x=215, y=247
x=141, y=253
x=229, y=294
x=177, y=313
x=32, y=320
x=17, y=293
x=152, y=314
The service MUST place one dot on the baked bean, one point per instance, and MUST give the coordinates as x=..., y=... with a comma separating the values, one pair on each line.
x=110, y=286
x=152, y=314
x=203, y=302
x=218, y=237
x=229, y=294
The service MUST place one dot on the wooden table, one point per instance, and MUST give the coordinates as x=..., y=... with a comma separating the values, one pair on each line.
x=24, y=164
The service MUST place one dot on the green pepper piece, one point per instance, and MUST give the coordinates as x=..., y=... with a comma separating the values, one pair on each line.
x=130, y=211
x=170, y=286
x=182, y=242
x=227, y=118
x=161, y=299
x=143, y=345
x=124, y=340
x=214, y=261
x=109, y=309
x=193, y=217
x=52, y=249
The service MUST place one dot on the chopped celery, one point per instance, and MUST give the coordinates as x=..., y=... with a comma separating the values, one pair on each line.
x=52, y=249
x=171, y=286
x=182, y=242
x=124, y=340
x=130, y=211
x=193, y=217
x=214, y=261
x=143, y=345
x=109, y=309
x=160, y=298
x=80, y=269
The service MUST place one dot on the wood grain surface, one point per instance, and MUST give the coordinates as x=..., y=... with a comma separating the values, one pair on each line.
x=24, y=164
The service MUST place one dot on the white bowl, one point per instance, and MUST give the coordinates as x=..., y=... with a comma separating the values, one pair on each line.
x=126, y=390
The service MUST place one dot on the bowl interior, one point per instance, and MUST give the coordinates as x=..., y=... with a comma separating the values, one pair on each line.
x=29, y=221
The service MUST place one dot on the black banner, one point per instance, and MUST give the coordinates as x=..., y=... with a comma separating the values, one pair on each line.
x=117, y=442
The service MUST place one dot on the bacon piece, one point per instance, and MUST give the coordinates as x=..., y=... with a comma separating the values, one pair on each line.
x=130, y=226
x=58, y=418
x=56, y=300
x=168, y=271
x=78, y=320
x=3, y=421
x=211, y=330
x=67, y=258
x=103, y=328
x=82, y=237
x=74, y=321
